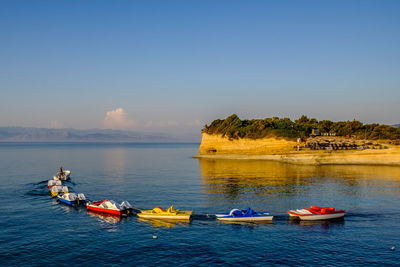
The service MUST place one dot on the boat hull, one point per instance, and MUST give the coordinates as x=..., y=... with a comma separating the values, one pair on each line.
x=70, y=203
x=167, y=217
x=102, y=210
x=246, y=219
x=317, y=217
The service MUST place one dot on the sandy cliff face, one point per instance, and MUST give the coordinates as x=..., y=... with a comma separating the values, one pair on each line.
x=214, y=146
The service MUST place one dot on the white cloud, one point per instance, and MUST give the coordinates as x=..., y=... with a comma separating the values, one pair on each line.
x=56, y=124
x=118, y=119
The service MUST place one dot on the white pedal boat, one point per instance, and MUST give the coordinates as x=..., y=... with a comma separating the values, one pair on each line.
x=72, y=198
x=248, y=215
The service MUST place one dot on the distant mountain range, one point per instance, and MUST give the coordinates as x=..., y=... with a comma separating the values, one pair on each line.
x=396, y=125
x=30, y=134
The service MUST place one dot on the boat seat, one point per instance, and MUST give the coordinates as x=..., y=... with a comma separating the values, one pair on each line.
x=158, y=210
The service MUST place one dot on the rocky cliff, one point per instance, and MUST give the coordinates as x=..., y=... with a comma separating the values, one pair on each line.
x=216, y=146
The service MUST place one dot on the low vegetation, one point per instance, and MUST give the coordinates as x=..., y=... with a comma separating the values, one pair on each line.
x=234, y=128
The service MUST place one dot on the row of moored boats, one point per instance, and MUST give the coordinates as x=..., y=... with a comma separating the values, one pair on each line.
x=57, y=189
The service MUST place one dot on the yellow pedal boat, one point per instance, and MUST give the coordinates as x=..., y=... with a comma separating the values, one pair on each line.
x=170, y=213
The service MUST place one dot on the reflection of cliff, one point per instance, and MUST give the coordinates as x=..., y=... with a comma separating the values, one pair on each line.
x=232, y=178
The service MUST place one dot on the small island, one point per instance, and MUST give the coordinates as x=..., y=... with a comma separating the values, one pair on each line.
x=303, y=141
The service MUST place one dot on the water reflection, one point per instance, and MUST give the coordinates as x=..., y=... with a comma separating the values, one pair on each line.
x=249, y=224
x=115, y=161
x=165, y=223
x=253, y=180
x=318, y=225
x=104, y=217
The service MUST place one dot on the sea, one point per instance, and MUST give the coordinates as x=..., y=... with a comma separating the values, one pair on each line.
x=37, y=230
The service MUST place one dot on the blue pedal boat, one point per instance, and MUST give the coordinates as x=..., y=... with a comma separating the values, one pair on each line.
x=248, y=215
x=72, y=199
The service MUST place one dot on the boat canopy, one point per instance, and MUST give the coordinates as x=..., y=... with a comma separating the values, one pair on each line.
x=53, y=182
x=69, y=196
x=56, y=189
x=64, y=189
x=110, y=204
x=126, y=205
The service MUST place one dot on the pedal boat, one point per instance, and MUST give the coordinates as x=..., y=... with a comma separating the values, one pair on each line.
x=248, y=215
x=110, y=206
x=72, y=198
x=63, y=177
x=52, y=183
x=171, y=214
x=315, y=213
x=55, y=190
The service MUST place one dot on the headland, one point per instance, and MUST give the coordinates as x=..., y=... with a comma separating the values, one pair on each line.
x=310, y=146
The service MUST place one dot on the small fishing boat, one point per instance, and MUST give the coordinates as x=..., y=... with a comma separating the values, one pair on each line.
x=315, y=213
x=170, y=213
x=72, y=198
x=52, y=183
x=62, y=176
x=248, y=215
x=110, y=206
x=55, y=190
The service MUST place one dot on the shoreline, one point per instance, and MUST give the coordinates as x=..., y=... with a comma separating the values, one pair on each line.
x=387, y=158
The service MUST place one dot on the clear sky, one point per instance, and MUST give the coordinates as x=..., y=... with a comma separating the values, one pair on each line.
x=176, y=65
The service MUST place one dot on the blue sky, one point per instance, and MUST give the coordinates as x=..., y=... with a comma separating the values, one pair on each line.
x=176, y=65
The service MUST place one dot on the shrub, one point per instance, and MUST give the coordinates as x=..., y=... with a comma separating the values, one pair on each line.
x=234, y=128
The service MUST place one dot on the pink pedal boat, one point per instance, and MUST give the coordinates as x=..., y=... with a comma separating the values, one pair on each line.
x=315, y=213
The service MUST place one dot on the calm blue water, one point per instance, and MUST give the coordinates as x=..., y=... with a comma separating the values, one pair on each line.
x=36, y=230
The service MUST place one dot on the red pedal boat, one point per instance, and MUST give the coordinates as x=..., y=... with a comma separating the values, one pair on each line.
x=110, y=206
x=315, y=213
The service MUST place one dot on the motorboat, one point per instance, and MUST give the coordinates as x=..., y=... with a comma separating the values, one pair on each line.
x=170, y=213
x=248, y=215
x=72, y=198
x=315, y=213
x=55, y=190
x=52, y=183
x=110, y=206
x=64, y=175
